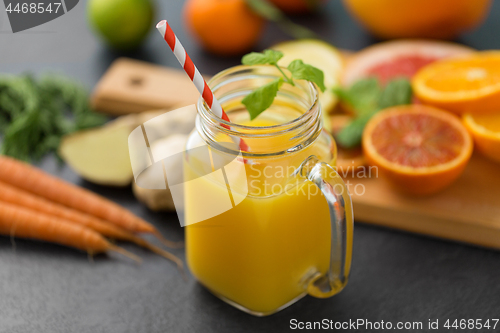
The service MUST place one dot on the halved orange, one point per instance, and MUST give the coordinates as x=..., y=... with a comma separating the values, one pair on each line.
x=419, y=149
x=466, y=85
x=485, y=130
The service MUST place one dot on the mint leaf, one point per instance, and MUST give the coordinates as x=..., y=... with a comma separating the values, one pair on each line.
x=366, y=94
x=262, y=98
x=363, y=96
x=397, y=92
x=367, y=98
x=350, y=136
x=268, y=57
x=301, y=71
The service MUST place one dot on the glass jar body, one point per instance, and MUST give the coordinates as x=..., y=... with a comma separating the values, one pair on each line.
x=260, y=254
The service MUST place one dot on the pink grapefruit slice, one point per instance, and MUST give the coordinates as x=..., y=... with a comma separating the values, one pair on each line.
x=400, y=58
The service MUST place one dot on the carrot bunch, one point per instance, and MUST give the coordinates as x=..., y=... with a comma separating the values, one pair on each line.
x=34, y=204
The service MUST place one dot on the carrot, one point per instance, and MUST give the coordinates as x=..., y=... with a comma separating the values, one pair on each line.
x=33, y=180
x=18, y=221
x=33, y=202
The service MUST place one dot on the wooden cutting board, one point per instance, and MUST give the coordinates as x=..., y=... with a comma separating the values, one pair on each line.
x=468, y=211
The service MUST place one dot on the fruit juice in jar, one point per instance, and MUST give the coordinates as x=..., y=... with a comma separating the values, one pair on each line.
x=261, y=255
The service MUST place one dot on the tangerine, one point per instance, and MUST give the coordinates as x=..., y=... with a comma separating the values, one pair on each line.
x=226, y=28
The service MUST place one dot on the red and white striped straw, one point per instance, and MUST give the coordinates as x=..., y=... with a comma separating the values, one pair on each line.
x=195, y=76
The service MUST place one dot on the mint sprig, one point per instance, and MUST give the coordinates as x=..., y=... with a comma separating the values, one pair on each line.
x=301, y=71
x=263, y=97
x=362, y=96
x=367, y=97
x=270, y=57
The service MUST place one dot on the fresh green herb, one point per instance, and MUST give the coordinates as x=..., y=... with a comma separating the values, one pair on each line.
x=351, y=135
x=301, y=71
x=272, y=13
x=397, y=92
x=262, y=98
x=362, y=96
x=35, y=114
x=367, y=97
x=268, y=57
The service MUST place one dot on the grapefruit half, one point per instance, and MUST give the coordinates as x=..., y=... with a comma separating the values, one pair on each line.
x=401, y=58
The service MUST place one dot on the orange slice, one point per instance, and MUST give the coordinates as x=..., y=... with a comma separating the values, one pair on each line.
x=485, y=130
x=419, y=149
x=465, y=85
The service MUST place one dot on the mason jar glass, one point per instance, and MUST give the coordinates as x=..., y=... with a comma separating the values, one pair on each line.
x=275, y=222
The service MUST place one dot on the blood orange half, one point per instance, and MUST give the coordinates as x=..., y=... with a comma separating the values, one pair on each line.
x=466, y=85
x=402, y=58
x=419, y=149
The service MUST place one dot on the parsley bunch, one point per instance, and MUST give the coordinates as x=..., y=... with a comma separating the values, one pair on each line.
x=263, y=97
x=35, y=114
x=367, y=97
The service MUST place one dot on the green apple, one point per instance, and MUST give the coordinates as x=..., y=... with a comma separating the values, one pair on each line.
x=123, y=24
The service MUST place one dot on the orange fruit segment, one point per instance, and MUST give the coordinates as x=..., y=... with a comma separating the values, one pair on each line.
x=485, y=130
x=465, y=85
x=419, y=149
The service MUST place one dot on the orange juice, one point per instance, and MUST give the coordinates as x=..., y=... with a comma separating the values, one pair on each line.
x=273, y=223
x=260, y=254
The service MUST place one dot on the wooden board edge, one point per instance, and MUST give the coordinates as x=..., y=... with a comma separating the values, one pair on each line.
x=429, y=225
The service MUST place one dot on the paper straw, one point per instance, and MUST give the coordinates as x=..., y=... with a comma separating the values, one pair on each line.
x=195, y=76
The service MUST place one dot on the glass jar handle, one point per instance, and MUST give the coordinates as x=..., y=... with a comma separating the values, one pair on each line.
x=341, y=216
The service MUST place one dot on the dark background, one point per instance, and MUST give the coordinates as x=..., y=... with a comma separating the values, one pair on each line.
x=395, y=276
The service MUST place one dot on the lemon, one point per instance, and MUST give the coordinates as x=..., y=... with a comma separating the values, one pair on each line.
x=123, y=24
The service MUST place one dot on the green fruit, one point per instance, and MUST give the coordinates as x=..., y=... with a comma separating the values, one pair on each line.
x=123, y=24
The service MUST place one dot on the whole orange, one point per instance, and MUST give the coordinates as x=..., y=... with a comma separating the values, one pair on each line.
x=224, y=27
x=418, y=18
